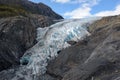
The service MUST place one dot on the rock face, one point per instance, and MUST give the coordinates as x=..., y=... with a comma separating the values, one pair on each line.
x=17, y=34
x=95, y=58
x=30, y=7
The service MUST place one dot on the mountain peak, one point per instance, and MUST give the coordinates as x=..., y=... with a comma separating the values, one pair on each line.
x=34, y=8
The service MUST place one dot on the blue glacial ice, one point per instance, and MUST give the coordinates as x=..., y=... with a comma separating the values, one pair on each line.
x=51, y=40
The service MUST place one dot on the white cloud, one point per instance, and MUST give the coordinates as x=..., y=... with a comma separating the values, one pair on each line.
x=75, y=1
x=83, y=10
x=91, y=2
x=61, y=1
x=80, y=12
x=109, y=13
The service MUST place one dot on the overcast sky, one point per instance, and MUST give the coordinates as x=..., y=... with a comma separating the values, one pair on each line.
x=83, y=8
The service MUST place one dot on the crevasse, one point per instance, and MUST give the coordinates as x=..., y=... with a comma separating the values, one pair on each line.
x=51, y=40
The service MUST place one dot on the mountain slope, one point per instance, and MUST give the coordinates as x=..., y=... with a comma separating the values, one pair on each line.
x=19, y=20
x=30, y=7
x=6, y=11
x=17, y=34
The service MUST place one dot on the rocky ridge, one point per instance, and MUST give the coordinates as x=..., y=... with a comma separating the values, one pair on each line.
x=28, y=7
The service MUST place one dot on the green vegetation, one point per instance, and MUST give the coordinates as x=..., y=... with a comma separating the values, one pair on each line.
x=9, y=10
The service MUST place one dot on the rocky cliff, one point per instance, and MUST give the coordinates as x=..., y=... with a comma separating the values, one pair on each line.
x=17, y=34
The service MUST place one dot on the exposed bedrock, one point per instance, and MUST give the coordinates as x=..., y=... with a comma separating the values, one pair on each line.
x=17, y=34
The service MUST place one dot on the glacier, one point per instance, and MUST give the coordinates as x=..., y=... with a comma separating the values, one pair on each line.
x=51, y=40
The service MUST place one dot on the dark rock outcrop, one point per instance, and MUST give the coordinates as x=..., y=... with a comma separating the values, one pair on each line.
x=17, y=34
x=95, y=58
x=18, y=29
